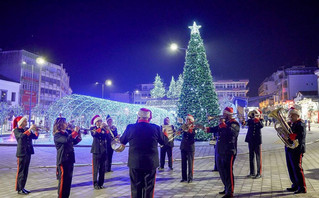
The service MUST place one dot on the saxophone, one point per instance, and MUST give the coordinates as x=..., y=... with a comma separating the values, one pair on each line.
x=283, y=129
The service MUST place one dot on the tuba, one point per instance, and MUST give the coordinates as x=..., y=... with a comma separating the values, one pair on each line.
x=283, y=129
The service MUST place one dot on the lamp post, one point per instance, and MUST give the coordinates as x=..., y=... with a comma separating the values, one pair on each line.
x=107, y=83
x=175, y=47
x=40, y=61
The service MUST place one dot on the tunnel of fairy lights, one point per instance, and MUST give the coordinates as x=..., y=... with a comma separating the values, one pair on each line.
x=82, y=109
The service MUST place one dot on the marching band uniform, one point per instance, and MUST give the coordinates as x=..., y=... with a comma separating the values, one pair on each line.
x=188, y=150
x=110, y=137
x=169, y=132
x=143, y=138
x=98, y=151
x=24, y=151
x=216, y=132
x=226, y=150
x=294, y=156
x=65, y=158
x=254, y=140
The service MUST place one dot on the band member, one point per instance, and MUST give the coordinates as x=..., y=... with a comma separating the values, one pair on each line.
x=294, y=156
x=65, y=157
x=98, y=150
x=254, y=140
x=188, y=149
x=113, y=134
x=169, y=132
x=143, y=138
x=226, y=149
x=215, y=132
x=24, y=151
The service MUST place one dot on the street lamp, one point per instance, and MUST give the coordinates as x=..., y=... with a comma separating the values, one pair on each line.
x=107, y=83
x=40, y=61
x=175, y=47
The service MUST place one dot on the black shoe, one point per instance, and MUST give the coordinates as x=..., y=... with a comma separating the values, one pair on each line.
x=190, y=181
x=160, y=169
x=257, y=176
x=251, y=175
x=171, y=168
x=183, y=180
x=292, y=189
x=21, y=192
x=25, y=190
x=96, y=187
x=222, y=192
x=300, y=191
x=227, y=196
x=101, y=187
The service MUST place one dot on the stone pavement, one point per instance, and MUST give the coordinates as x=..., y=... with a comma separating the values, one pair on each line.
x=275, y=180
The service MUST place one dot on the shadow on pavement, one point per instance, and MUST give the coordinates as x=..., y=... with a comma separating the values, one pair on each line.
x=278, y=193
x=45, y=189
x=314, y=174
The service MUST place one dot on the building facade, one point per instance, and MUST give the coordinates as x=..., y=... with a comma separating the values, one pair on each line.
x=42, y=82
x=9, y=91
x=142, y=94
x=227, y=89
x=283, y=85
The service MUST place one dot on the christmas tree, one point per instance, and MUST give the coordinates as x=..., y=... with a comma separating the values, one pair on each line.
x=171, y=93
x=159, y=90
x=198, y=96
x=179, y=85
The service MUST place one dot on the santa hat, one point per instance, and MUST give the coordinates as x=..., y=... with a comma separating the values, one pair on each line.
x=144, y=113
x=95, y=119
x=259, y=112
x=293, y=110
x=190, y=117
x=229, y=110
x=108, y=117
x=18, y=121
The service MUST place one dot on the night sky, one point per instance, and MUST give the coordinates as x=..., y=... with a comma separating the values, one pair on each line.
x=127, y=41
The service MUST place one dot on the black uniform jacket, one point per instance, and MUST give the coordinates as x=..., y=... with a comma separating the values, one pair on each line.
x=64, y=145
x=227, y=140
x=299, y=128
x=188, y=141
x=143, y=139
x=254, y=133
x=99, y=140
x=24, y=142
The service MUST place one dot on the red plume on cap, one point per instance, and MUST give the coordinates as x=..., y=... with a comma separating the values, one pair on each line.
x=190, y=117
x=95, y=119
x=293, y=110
x=145, y=113
x=15, y=121
x=228, y=110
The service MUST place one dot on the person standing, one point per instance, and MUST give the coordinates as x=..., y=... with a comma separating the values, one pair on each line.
x=188, y=148
x=227, y=149
x=98, y=150
x=254, y=140
x=216, y=132
x=110, y=137
x=143, y=138
x=169, y=132
x=24, y=151
x=65, y=157
x=294, y=156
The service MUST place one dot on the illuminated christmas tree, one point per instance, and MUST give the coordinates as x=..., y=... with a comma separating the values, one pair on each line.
x=159, y=90
x=198, y=96
x=171, y=93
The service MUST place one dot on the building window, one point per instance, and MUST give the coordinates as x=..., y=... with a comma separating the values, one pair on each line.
x=3, y=96
x=13, y=96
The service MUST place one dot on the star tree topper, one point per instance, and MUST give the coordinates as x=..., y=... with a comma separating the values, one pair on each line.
x=195, y=28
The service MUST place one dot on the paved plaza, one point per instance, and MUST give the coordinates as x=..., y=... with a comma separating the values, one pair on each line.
x=42, y=181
